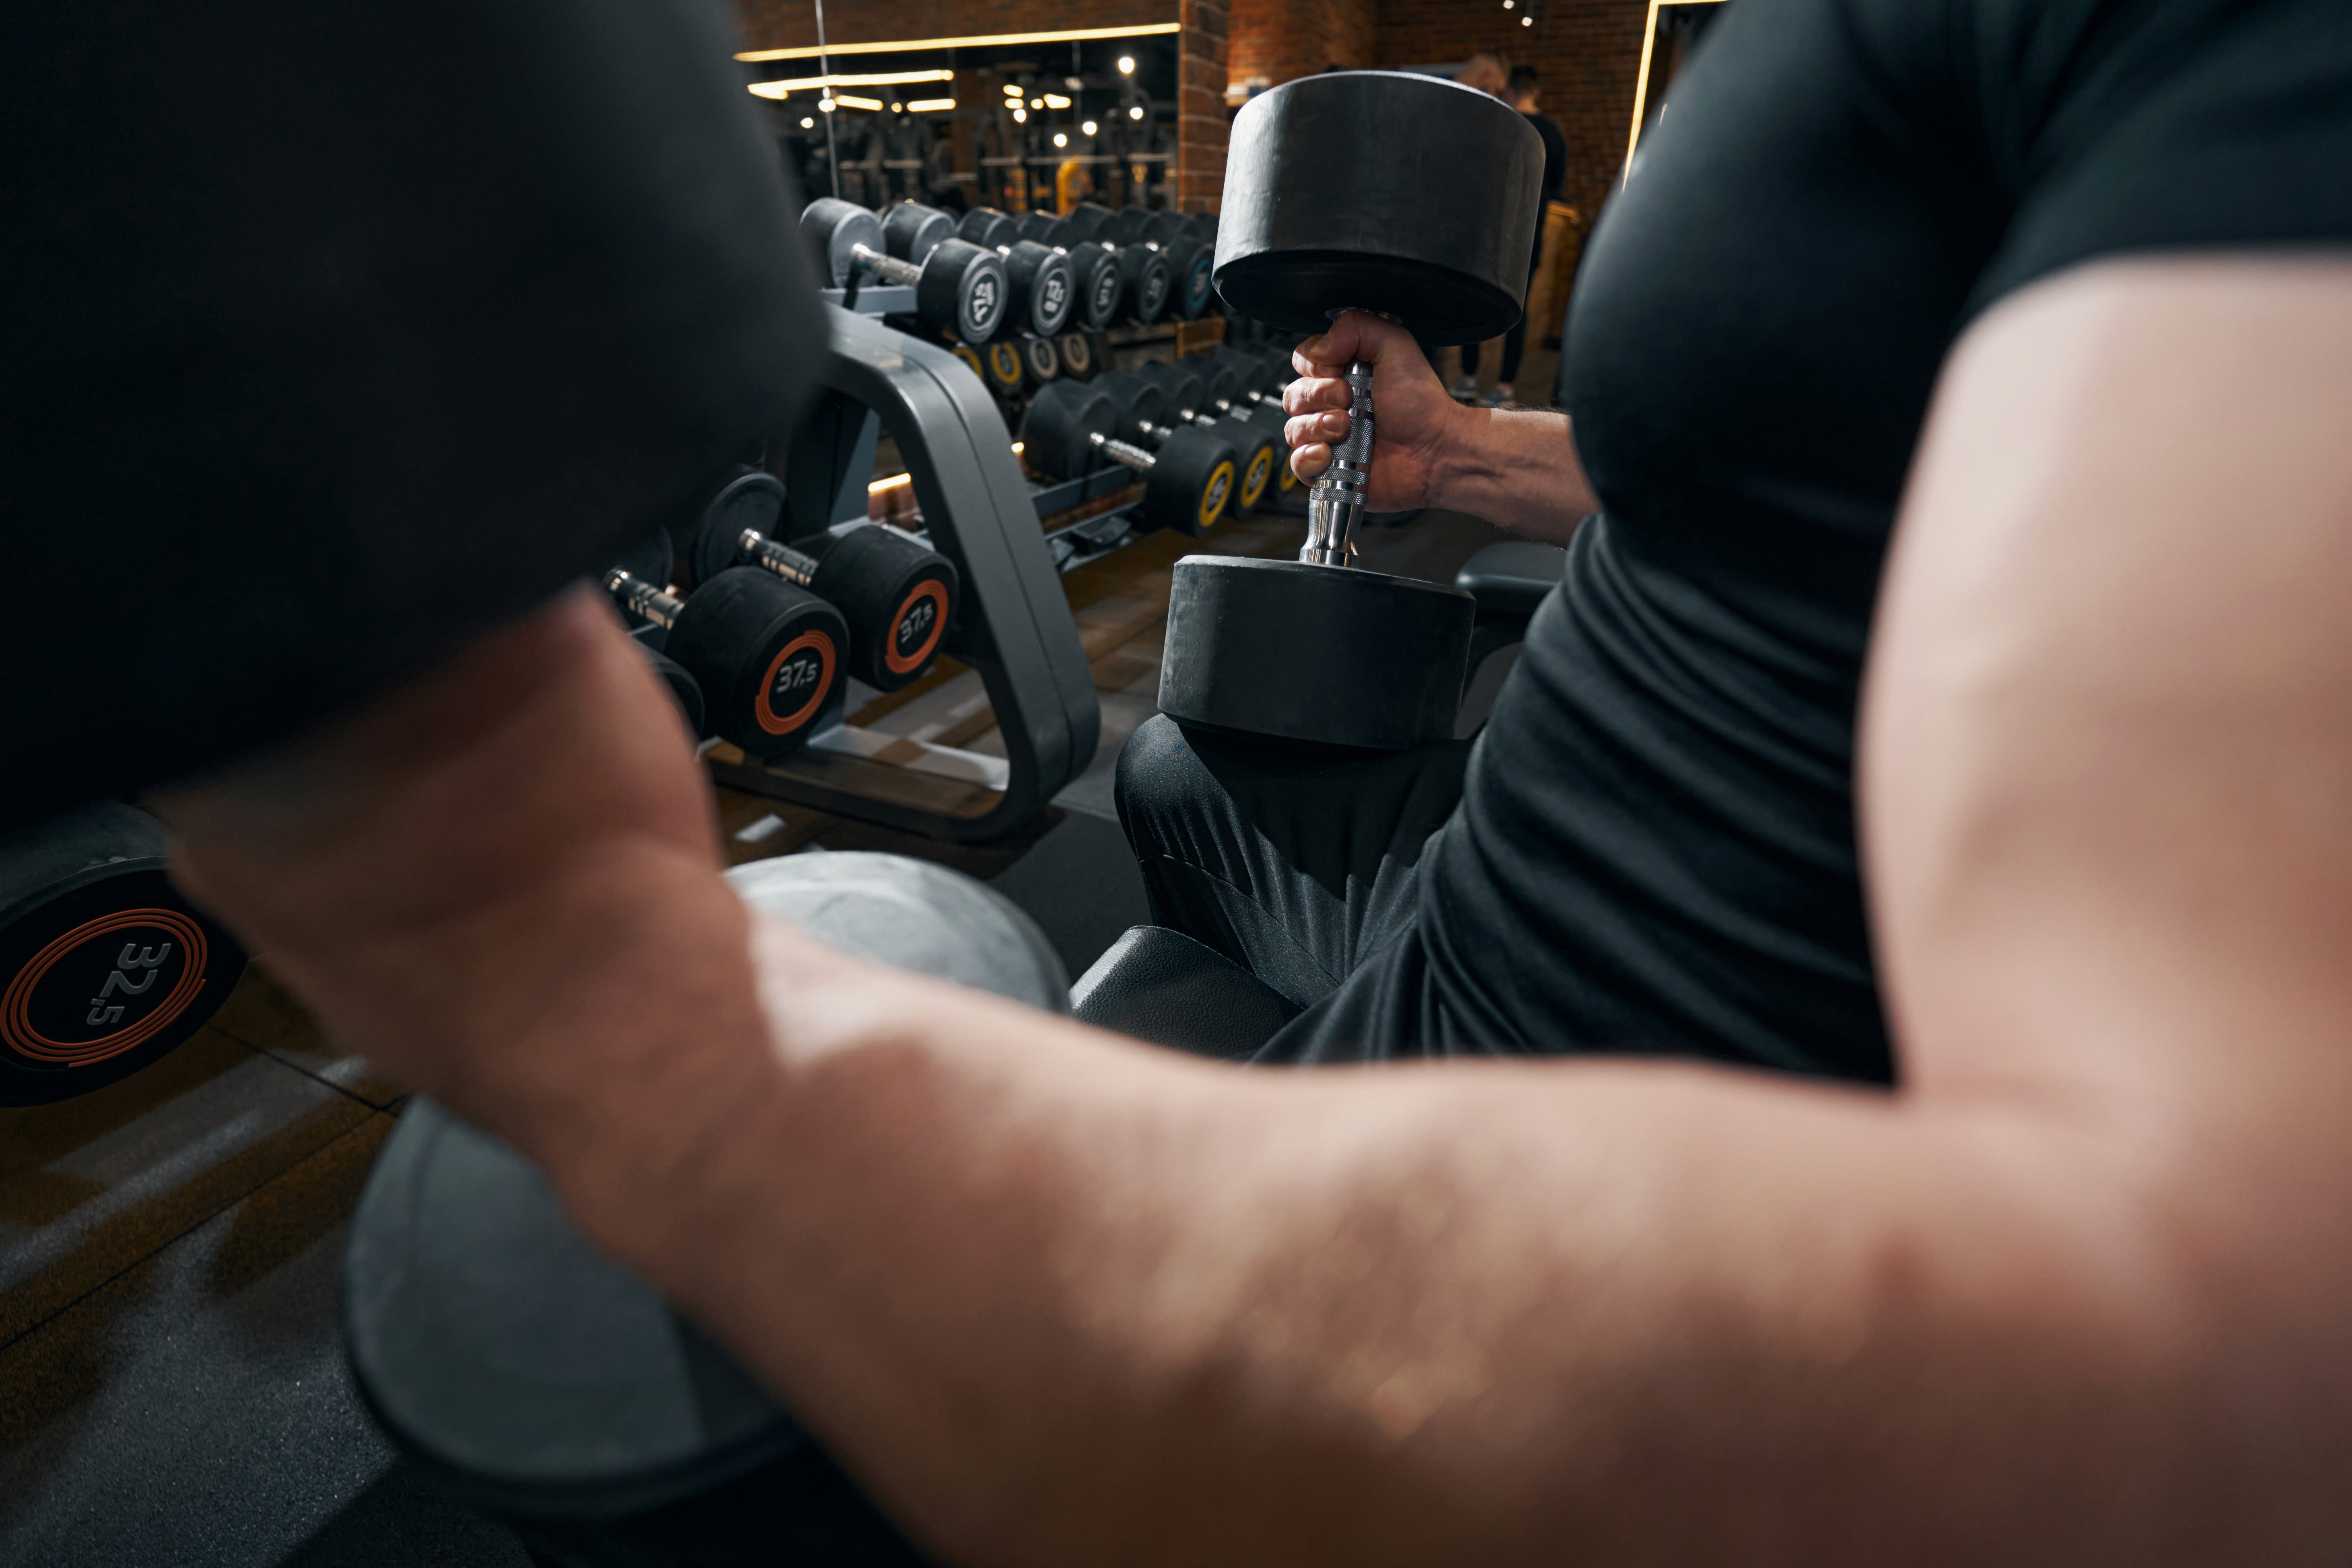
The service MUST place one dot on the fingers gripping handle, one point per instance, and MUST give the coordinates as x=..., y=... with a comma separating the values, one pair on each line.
x=1335, y=504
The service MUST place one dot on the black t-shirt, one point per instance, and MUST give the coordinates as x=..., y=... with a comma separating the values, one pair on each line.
x=338, y=333
x=1555, y=173
x=1656, y=843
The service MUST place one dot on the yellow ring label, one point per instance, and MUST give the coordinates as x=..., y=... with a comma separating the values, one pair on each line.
x=1213, y=498
x=1261, y=469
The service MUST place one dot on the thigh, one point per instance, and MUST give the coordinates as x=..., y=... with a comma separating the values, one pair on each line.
x=1292, y=861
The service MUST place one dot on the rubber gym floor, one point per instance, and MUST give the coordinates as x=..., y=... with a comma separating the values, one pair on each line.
x=171, y=1392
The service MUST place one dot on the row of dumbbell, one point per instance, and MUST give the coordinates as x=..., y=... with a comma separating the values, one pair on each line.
x=1205, y=433
x=990, y=272
x=761, y=633
x=105, y=967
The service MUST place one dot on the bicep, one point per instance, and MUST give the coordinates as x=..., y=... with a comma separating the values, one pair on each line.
x=2106, y=755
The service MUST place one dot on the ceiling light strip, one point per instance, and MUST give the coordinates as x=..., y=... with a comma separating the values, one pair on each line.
x=982, y=40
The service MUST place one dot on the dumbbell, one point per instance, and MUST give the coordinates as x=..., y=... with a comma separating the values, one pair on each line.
x=1258, y=445
x=649, y=560
x=959, y=287
x=1078, y=353
x=1003, y=369
x=1095, y=269
x=684, y=689
x=1040, y=358
x=104, y=967
x=1317, y=649
x=1072, y=428
x=1145, y=413
x=766, y=654
x=1189, y=260
x=1100, y=286
x=1148, y=278
x=897, y=597
x=1041, y=285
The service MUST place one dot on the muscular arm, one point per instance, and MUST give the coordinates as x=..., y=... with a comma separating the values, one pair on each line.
x=1516, y=469
x=2076, y=1294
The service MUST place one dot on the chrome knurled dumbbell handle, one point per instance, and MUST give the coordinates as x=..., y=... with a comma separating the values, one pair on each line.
x=1336, y=505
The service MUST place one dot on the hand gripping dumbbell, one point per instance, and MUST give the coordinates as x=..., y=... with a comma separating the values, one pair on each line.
x=960, y=289
x=1072, y=428
x=765, y=655
x=104, y=966
x=1317, y=649
x=1042, y=287
x=1258, y=445
x=897, y=598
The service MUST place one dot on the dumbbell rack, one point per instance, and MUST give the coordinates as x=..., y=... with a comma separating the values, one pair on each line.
x=1014, y=625
x=1072, y=543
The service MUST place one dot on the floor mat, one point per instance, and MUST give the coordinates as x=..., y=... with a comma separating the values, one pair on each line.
x=1080, y=883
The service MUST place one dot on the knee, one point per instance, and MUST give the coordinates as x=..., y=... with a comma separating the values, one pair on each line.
x=1157, y=774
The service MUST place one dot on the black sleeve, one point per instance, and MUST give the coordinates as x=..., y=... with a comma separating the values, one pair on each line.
x=338, y=335
x=1555, y=175
x=2162, y=125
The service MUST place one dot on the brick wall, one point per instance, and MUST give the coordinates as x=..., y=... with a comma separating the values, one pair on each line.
x=1275, y=40
x=1587, y=50
x=1202, y=126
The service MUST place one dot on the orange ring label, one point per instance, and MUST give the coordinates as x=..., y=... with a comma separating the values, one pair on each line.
x=764, y=710
x=930, y=590
x=16, y=1028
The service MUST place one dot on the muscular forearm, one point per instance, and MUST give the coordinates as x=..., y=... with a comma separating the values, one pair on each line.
x=1063, y=1299
x=1518, y=469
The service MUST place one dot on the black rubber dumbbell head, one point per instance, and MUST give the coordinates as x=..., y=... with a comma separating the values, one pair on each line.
x=768, y=655
x=1148, y=280
x=1007, y=373
x=910, y=231
x=1190, y=268
x=1100, y=286
x=1180, y=382
x=987, y=226
x=1039, y=359
x=1092, y=220
x=685, y=691
x=836, y=229
x=1219, y=383
x=104, y=966
x=896, y=596
x=1078, y=355
x=1356, y=658
x=1143, y=225
x=962, y=289
x=1044, y=287
x=1294, y=243
x=1250, y=372
x=1037, y=225
x=1056, y=434
x=1136, y=401
x=1192, y=480
x=752, y=500
x=1261, y=452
